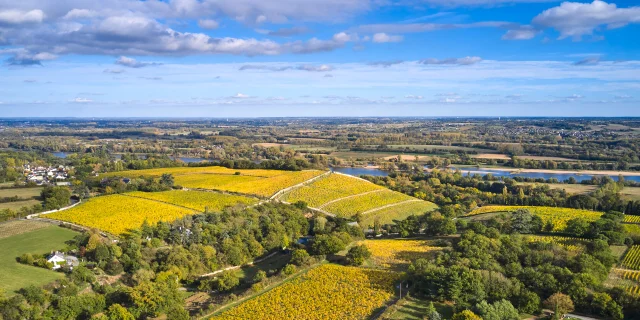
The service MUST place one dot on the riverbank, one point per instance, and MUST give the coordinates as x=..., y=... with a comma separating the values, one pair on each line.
x=577, y=172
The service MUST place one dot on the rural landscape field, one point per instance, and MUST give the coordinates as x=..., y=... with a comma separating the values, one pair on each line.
x=320, y=160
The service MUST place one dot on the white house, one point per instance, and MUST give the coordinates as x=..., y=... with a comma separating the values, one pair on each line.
x=59, y=260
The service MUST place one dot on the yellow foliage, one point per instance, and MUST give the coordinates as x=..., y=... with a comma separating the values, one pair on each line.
x=632, y=258
x=196, y=200
x=387, y=253
x=327, y=292
x=332, y=187
x=362, y=203
x=558, y=216
x=631, y=219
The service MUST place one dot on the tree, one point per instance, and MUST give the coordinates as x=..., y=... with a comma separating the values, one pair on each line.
x=299, y=257
x=289, y=269
x=431, y=313
x=327, y=244
x=560, y=303
x=167, y=179
x=358, y=254
x=118, y=312
x=499, y=310
x=55, y=197
x=226, y=282
x=578, y=227
x=521, y=221
x=259, y=276
x=466, y=315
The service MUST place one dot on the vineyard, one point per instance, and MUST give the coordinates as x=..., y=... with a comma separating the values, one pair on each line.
x=632, y=258
x=389, y=253
x=196, y=200
x=557, y=216
x=400, y=212
x=633, y=230
x=258, y=182
x=631, y=219
x=571, y=244
x=330, y=188
x=627, y=279
x=347, y=196
x=326, y=292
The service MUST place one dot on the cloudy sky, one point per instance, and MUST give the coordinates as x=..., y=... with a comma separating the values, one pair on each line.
x=226, y=58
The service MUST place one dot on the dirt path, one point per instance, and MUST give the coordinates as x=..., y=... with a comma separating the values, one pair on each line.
x=349, y=197
x=238, y=267
x=389, y=206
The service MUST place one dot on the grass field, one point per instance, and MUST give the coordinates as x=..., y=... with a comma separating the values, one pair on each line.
x=19, y=204
x=414, y=309
x=326, y=292
x=15, y=227
x=330, y=188
x=196, y=200
x=569, y=188
x=558, y=216
x=42, y=240
x=21, y=192
x=630, y=194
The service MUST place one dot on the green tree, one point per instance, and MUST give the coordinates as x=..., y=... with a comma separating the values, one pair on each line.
x=289, y=269
x=167, y=179
x=327, y=244
x=55, y=197
x=466, y=315
x=299, y=257
x=358, y=254
x=560, y=303
x=118, y=312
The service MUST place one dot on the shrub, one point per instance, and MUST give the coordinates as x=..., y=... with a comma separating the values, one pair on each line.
x=358, y=254
x=299, y=257
x=289, y=269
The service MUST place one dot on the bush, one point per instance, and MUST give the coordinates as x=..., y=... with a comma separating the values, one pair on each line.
x=327, y=244
x=260, y=276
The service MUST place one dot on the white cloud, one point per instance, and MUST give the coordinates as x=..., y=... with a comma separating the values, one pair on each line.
x=574, y=19
x=394, y=28
x=411, y=96
x=452, y=61
x=208, y=24
x=81, y=100
x=523, y=33
x=15, y=17
x=240, y=96
x=383, y=38
x=80, y=14
x=133, y=63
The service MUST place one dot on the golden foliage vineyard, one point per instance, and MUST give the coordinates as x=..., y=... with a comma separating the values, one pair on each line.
x=326, y=292
x=571, y=244
x=259, y=182
x=118, y=213
x=558, y=216
x=631, y=219
x=388, y=253
x=632, y=258
x=196, y=200
x=399, y=212
x=629, y=280
x=332, y=187
x=362, y=203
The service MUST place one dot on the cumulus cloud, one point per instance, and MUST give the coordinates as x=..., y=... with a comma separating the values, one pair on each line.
x=384, y=38
x=320, y=68
x=16, y=17
x=208, y=24
x=451, y=61
x=22, y=57
x=133, y=63
x=575, y=19
x=522, y=33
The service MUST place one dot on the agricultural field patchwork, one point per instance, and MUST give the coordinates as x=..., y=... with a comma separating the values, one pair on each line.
x=196, y=200
x=633, y=230
x=629, y=280
x=632, y=258
x=326, y=292
x=179, y=171
x=390, y=253
x=557, y=216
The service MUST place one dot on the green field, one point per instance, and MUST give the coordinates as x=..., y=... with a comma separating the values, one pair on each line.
x=630, y=194
x=413, y=308
x=15, y=275
x=21, y=192
x=569, y=188
x=18, y=204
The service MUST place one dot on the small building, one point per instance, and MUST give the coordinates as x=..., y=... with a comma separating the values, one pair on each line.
x=59, y=260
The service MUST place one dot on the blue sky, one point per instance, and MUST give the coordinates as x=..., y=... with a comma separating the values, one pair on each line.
x=227, y=58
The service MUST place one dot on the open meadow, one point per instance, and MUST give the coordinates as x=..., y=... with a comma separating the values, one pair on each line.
x=19, y=237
